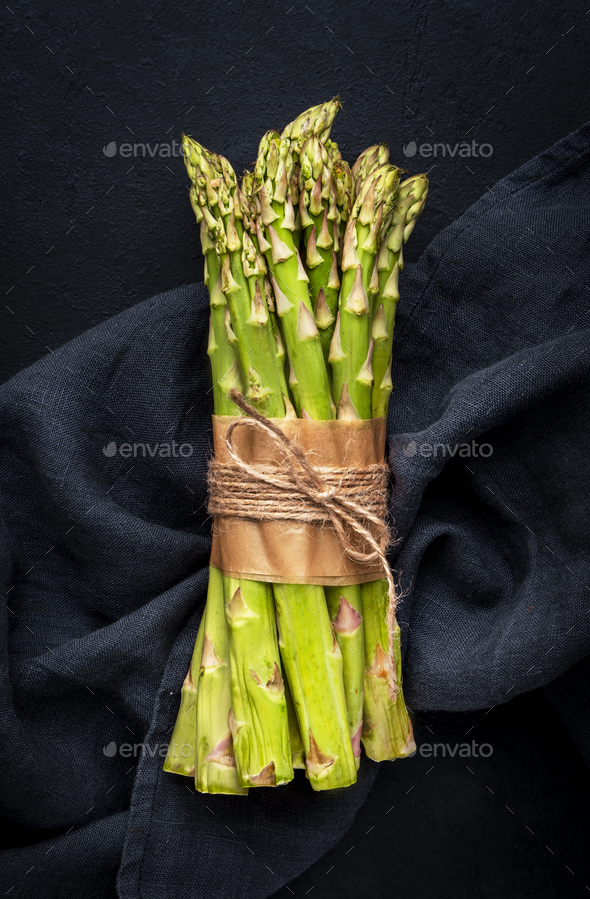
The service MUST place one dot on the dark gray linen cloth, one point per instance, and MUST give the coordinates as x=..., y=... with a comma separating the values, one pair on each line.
x=104, y=548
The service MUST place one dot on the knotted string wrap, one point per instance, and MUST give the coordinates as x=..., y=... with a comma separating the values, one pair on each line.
x=232, y=494
x=296, y=490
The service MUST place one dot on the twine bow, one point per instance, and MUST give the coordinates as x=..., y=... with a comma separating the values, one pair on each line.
x=307, y=493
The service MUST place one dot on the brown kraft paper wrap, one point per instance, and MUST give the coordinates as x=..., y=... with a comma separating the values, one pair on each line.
x=289, y=552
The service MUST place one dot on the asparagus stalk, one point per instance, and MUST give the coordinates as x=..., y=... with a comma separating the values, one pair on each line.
x=242, y=274
x=181, y=755
x=313, y=662
x=387, y=729
x=351, y=349
x=345, y=605
x=315, y=121
x=274, y=170
x=281, y=361
x=345, y=195
x=297, y=747
x=224, y=365
x=225, y=376
x=409, y=202
x=259, y=721
x=319, y=220
x=222, y=357
x=250, y=216
x=216, y=770
x=310, y=652
x=376, y=185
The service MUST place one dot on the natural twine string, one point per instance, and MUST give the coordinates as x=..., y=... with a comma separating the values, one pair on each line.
x=232, y=493
x=350, y=499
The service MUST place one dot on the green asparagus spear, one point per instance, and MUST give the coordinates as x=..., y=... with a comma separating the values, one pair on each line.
x=251, y=211
x=351, y=349
x=259, y=721
x=345, y=605
x=181, y=756
x=216, y=770
x=313, y=663
x=387, y=729
x=297, y=747
x=274, y=170
x=345, y=195
x=409, y=202
x=225, y=377
x=242, y=276
x=319, y=221
x=259, y=715
x=224, y=365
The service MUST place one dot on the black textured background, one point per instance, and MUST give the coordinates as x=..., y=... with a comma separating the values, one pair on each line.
x=87, y=235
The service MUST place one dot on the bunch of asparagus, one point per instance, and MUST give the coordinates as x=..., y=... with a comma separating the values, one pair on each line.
x=302, y=258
